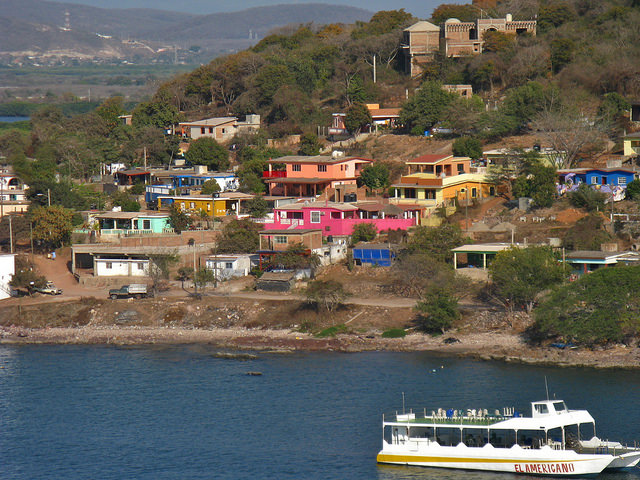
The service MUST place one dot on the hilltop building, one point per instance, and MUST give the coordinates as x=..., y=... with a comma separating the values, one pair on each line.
x=423, y=40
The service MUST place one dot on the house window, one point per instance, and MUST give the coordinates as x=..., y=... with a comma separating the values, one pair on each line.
x=109, y=265
x=296, y=168
x=622, y=180
x=182, y=205
x=202, y=130
x=460, y=168
x=140, y=266
x=192, y=205
x=322, y=168
x=228, y=265
x=224, y=130
x=146, y=224
x=280, y=239
x=208, y=207
x=474, y=192
x=210, y=129
x=315, y=217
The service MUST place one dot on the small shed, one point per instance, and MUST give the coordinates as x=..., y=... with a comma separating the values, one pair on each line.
x=381, y=254
x=225, y=267
x=276, y=281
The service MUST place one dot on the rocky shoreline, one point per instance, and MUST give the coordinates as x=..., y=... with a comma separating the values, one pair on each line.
x=490, y=346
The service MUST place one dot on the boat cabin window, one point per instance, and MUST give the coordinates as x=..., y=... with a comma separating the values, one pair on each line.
x=541, y=408
x=559, y=406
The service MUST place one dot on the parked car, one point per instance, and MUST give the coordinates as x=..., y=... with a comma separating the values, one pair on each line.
x=49, y=289
x=135, y=290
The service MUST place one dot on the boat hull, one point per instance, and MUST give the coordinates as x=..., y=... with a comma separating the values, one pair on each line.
x=513, y=460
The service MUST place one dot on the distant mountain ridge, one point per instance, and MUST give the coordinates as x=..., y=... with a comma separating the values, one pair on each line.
x=40, y=26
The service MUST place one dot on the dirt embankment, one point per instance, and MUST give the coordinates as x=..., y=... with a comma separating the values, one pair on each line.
x=284, y=326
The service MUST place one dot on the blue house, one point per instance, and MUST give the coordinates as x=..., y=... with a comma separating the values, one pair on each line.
x=152, y=193
x=608, y=180
x=381, y=254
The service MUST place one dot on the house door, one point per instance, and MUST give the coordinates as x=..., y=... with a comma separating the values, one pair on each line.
x=604, y=180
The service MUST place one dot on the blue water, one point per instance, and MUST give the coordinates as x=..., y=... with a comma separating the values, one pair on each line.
x=13, y=119
x=76, y=412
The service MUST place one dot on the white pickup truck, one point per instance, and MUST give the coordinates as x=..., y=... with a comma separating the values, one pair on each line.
x=49, y=289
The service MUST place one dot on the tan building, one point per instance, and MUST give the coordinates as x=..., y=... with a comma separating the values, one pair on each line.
x=220, y=129
x=455, y=38
x=420, y=45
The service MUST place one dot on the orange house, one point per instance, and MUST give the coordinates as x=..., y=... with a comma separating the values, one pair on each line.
x=306, y=176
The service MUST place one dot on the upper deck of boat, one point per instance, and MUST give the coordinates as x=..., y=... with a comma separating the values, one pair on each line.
x=545, y=415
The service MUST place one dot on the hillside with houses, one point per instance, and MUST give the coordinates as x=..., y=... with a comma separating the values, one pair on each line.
x=450, y=196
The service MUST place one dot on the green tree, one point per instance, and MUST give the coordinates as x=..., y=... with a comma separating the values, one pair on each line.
x=52, y=225
x=295, y=256
x=426, y=107
x=495, y=41
x=464, y=13
x=309, y=145
x=562, y=51
x=612, y=112
x=375, y=176
x=519, y=275
x=437, y=312
x=125, y=201
x=110, y=111
x=436, y=241
x=257, y=207
x=358, y=116
x=326, y=294
x=155, y=114
x=269, y=79
x=633, y=190
x=590, y=311
x=383, y=22
x=363, y=232
x=206, y=151
x=588, y=198
x=538, y=182
x=554, y=14
x=179, y=220
x=210, y=187
x=160, y=265
x=239, y=236
x=467, y=147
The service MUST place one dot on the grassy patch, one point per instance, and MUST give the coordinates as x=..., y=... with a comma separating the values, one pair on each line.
x=394, y=333
x=332, y=331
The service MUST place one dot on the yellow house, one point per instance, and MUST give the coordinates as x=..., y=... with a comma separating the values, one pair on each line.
x=431, y=191
x=631, y=144
x=222, y=206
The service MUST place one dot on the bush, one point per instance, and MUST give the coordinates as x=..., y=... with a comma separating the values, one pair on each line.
x=633, y=190
x=394, y=333
x=587, y=198
x=363, y=232
x=328, y=294
x=332, y=331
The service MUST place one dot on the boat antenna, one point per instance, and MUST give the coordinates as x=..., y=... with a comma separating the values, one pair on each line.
x=546, y=387
x=403, y=403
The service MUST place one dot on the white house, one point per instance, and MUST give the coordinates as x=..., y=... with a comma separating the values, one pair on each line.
x=7, y=270
x=225, y=267
x=121, y=267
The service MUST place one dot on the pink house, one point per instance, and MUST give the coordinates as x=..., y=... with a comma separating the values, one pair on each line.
x=309, y=176
x=338, y=219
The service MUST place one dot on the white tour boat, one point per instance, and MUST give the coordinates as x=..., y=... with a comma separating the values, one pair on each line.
x=552, y=441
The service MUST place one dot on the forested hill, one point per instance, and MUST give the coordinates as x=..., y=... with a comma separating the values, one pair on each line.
x=583, y=50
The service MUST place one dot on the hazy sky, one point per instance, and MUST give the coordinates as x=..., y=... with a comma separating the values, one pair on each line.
x=420, y=8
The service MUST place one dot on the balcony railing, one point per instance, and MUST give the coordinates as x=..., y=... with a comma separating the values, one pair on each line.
x=274, y=174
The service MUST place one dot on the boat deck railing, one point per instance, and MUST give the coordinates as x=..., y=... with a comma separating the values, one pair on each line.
x=454, y=416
